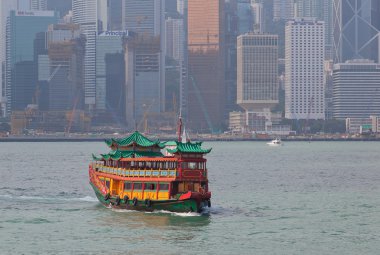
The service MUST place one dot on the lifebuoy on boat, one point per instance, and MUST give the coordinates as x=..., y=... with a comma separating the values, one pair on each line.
x=134, y=201
x=148, y=202
x=117, y=200
x=126, y=198
x=107, y=196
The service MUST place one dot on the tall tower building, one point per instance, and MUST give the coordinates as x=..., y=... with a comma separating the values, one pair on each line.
x=356, y=89
x=283, y=9
x=21, y=75
x=257, y=71
x=144, y=16
x=85, y=13
x=5, y=7
x=147, y=19
x=304, y=69
x=206, y=93
x=38, y=5
x=356, y=30
x=321, y=10
x=175, y=39
x=258, y=18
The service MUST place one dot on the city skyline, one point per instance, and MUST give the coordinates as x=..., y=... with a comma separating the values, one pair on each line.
x=197, y=58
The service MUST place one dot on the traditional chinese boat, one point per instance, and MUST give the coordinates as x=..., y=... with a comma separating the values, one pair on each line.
x=143, y=174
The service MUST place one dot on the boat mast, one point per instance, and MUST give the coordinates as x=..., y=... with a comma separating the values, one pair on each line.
x=179, y=126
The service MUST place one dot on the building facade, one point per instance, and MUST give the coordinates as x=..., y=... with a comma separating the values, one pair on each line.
x=257, y=71
x=283, y=9
x=206, y=91
x=85, y=14
x=356, y=30
x=356, y=89
x=304, y=69
x=109, y=42
x=175, y=39
x=144, y=93
x=21, y=71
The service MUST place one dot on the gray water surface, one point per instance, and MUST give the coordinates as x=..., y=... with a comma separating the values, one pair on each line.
x=301, y=198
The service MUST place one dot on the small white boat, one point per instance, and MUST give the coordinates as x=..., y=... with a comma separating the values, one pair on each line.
x=275, y=142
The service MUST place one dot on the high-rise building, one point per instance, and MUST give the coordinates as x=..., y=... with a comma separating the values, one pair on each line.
x=144, y=92
x=181, y=6
x=5, y=7
x=356, y=30
x=144, y=16
x=283, y=9
x=258, y=18
x=66, y=48
x=356, y=89
x=62, y=6
x=230, y=35
x=21, y=33
x=85, y=13
x=38, y=5
x=321, y=10
x=206, y=92
x=257, y=71
x=110, y=42
x=147, y=18
x=175, y=39
x=304, y=69
x=245, y=17
x=115, y=13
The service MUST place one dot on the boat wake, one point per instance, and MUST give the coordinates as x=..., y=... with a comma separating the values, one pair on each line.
x=39, y=198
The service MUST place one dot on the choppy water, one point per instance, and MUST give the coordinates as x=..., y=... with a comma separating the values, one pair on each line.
x=302, y=198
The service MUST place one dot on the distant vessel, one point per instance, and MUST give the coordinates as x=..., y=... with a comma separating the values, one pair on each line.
x=275, y=142
x=146, y=175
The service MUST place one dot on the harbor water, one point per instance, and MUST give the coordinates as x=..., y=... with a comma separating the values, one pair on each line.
x=300, y=198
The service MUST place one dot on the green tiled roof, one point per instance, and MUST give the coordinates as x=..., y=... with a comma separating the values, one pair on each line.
x=136, y=138
x=189, y=148
x=116, y=155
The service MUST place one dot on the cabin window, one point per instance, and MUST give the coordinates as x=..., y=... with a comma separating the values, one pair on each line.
x=192, y=165
x=148, y=164
x=127, y=186
x=137, y=186
x=164, y=186
x=150, y=186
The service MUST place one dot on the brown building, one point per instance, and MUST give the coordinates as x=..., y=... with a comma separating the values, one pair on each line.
x=206, y=92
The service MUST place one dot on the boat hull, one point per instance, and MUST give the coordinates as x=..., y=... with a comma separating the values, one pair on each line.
x=173, y=205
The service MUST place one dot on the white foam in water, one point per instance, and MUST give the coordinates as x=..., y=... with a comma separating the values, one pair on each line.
x=88, y=199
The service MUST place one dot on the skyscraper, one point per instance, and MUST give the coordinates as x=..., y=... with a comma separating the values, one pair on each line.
x=144, y=91
x=38, y=5
x=144, y=16
x=175, y=39
x=321, y=10
x=356, y=89
x=283, y=9
x=257, y=72
x=85, y=13
x=20, y=67
x=356, y=30
x=5, y=7
x=304, y=73
x=206, y=94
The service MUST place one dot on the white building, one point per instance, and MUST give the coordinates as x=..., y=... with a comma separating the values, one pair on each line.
x=175, y=39
x=85, y=13
x=258, y=17
x=304, y=69
x=5, y=7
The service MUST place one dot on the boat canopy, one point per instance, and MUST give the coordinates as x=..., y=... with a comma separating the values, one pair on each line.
x=189, y=147
x=134, y=139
